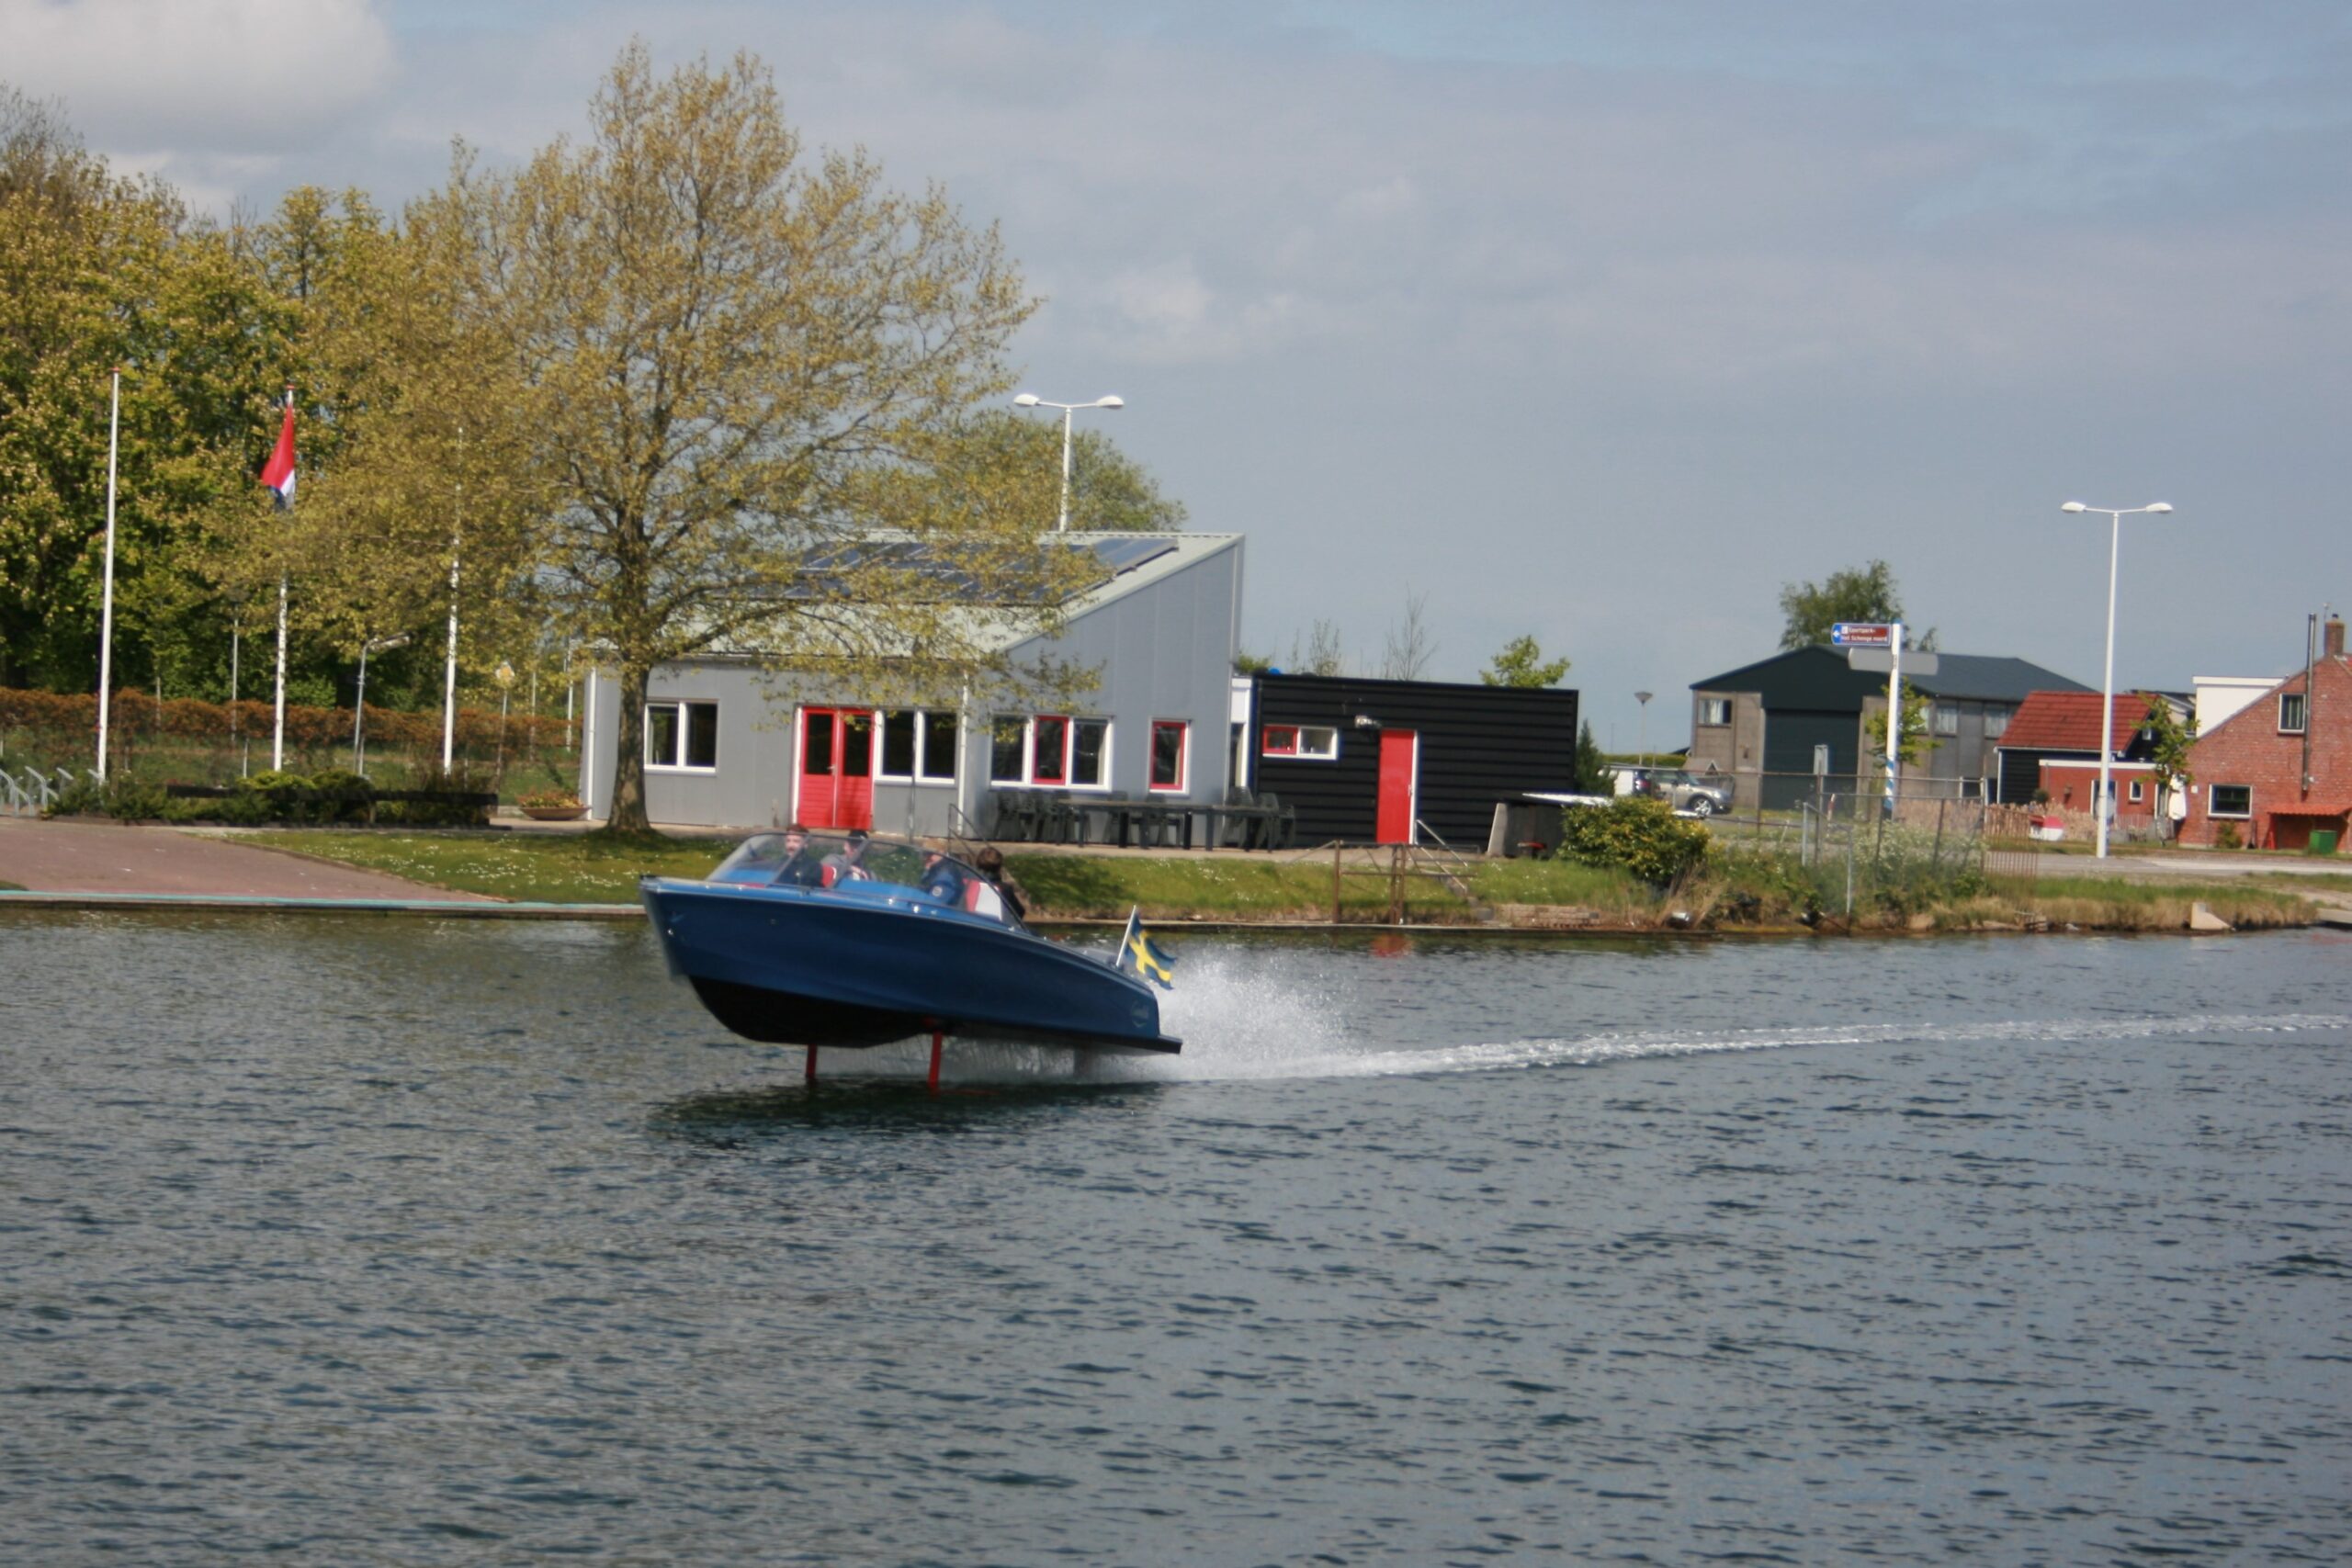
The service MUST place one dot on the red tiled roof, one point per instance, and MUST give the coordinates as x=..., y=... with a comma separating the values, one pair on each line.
x=2068, y=721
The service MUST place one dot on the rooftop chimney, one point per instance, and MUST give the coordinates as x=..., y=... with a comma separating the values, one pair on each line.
x=2332, y=636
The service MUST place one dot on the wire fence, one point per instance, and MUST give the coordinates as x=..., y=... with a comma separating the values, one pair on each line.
x=1861, y=849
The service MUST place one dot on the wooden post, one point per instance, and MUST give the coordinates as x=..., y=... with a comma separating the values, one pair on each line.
x=938, y=1040
x=1335, y=881
x=1396, y=885
x=810, y=1072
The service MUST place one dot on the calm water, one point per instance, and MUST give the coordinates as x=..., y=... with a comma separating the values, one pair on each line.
x=354, y=1241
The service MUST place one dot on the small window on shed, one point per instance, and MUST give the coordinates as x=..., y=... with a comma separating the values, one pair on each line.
x=1319, y=741
x=1715, y=710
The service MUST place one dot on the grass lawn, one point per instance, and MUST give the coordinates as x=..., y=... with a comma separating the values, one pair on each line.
x=588, y=868
x=1104, y=887
x=553, y=868
x=2131, y=904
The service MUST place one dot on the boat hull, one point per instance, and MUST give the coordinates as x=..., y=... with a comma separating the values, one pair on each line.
x=867, y=964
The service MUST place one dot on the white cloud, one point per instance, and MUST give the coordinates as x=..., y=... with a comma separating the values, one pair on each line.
x=197, y=77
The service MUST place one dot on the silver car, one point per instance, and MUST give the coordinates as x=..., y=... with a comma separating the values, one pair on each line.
x=1701, y=794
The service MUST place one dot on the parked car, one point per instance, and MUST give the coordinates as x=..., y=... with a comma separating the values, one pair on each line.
x=1701, y=794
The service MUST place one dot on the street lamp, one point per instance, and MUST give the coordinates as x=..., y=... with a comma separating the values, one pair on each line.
x=2105, y=803
x=1032, y=400
x=1643, y=698
x=359, y=702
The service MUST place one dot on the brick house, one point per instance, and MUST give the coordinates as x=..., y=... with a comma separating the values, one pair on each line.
x=2251, y=775
x=2053, y=746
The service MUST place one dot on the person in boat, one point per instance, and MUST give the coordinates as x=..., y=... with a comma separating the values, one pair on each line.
x=944, y=879
x=799, y=868
x=989, y=864
x=847, y=864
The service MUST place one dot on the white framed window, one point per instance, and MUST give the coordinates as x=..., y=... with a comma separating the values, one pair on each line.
x=1050, y=750
x=1168, y=755
x=1947, y=719
x=681, y=736
x=1008, y=750
x=918, y=746
x=1996, y=722
x=1714, y=711
x=1312, y=742
x=1090, y=753
x=2290, y=713
x=2230, y=800
x=2139, y=791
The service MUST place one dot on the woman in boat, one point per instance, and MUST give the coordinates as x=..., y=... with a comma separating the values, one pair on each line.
x=846, y=863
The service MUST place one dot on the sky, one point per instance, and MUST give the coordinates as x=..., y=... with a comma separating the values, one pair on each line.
x=1598, y=321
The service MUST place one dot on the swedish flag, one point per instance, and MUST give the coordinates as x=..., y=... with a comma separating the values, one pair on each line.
x=1144, y=958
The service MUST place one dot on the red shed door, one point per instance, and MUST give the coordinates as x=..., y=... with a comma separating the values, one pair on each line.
x=1401, y=757
x=836, y=768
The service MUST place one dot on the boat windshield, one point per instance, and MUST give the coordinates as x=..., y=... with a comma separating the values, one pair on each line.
x=853, y=860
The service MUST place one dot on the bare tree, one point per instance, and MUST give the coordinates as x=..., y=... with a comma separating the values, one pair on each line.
x=1322, y=655
x=1409, y=647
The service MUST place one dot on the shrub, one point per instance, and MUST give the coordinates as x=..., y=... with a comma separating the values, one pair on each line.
x=427, y=813
x=341, y=797
x=2225, y=837
x=83, y=797
x=1637, y=832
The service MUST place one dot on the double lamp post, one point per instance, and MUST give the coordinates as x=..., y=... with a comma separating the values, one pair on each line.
x=2105, y=805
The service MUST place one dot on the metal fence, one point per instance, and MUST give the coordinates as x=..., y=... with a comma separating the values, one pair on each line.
x=1860, y=847
x=27, y=791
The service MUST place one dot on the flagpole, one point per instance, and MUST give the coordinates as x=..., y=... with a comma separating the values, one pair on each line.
x=106, y=611
x=277, y=735
x=450, y=675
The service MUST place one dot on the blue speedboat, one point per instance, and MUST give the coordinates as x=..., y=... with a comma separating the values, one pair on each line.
x=828, y=939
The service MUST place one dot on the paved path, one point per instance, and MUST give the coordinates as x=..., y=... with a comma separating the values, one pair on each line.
x=105, y=857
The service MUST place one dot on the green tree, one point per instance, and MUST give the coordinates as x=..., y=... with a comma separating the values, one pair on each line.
x=1109, y=491
x=1914, y=726
x=1592, y=762
x=1522, y=663
x=102, y=272
x=2172, y=739
x=1865, y=594
x=729, y=354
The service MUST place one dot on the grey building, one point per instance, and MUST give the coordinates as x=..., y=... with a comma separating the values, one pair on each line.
x=1762, y=722
x=733, y=742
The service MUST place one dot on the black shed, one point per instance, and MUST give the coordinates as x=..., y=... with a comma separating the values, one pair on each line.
x=1357, y=758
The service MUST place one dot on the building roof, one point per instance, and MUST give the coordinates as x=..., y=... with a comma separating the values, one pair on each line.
x=2068, y=721
x=1990, y=678
x=1125, y=563
x=1819, y=678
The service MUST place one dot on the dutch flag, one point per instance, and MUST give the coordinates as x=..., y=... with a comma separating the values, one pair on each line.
x=278, y=474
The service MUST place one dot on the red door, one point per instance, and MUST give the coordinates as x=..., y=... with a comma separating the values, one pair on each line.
x=1400, y=756
x=836, y=768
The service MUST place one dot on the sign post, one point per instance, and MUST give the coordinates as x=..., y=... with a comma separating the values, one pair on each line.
x=1886, y=637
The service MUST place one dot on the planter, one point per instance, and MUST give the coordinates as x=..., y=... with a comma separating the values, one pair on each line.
x=555, y=813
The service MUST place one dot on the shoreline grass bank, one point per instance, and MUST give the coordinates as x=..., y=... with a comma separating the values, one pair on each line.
x=1545, y=896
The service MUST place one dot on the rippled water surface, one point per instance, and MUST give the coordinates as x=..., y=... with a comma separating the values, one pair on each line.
x=361, y=1241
